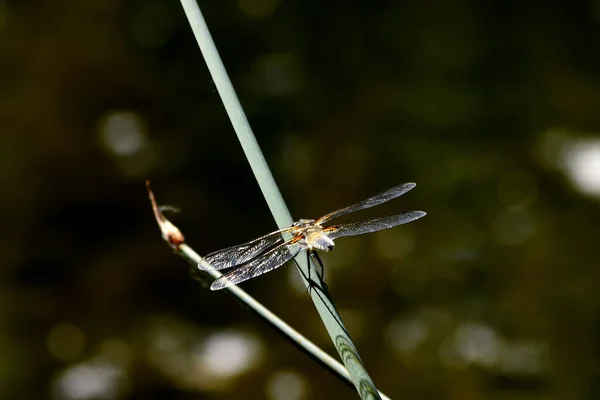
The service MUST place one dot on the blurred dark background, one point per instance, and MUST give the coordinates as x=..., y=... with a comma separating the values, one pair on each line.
x=491, y=107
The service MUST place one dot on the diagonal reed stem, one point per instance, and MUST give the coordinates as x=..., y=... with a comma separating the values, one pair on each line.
x=173, y=236
x=325, y=307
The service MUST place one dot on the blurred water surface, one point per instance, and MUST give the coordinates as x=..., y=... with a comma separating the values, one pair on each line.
x=492, y=108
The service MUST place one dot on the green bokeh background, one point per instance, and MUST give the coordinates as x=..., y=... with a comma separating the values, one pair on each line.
x=494, y=295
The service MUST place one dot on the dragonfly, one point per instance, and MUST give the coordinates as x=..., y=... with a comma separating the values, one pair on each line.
x=271, y=251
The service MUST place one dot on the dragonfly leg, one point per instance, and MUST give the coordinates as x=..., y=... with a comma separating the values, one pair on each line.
x=307, y=277
x=311, y=283
x=308, y=265
x=315, y=255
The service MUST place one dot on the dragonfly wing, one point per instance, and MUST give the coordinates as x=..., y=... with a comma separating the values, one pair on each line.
x=270, y=260
x=240, y=254
x=370, y=202
x=374, y=225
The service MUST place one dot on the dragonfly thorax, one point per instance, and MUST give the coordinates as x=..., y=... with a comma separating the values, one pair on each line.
x=312, y=235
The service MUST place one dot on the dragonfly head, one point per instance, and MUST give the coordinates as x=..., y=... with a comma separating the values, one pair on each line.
x=320, y=242
x=303, y=222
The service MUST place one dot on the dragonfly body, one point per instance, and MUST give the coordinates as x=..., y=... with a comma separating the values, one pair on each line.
x=273, y=250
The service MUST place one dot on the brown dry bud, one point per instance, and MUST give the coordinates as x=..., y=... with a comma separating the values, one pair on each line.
x=170, y=233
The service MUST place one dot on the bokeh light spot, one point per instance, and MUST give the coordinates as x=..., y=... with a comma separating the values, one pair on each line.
x=471, y=343
x=478, y=344
x=405, y=335
x=581, y=160
x=123, y=135
x=578, y=157
x=197, y=361
x=524, y=358
x=228, y=354
x=96, y=379
x=123, y=132
x=65, y=342
x=287, y=385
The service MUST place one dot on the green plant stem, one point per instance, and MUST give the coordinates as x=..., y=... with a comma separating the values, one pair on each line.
x=290, y=333
x=325, y=307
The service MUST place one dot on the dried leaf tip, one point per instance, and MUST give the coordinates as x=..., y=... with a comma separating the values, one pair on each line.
x=170, y=233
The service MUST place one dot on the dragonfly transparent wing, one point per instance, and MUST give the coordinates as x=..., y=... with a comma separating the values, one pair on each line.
x=370, y=202
x=269, y=261
x=237, y=255
x=374, y=225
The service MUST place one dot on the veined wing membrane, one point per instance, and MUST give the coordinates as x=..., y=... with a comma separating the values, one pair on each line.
x=236, y=255
x=374, y=225
x=370, y=202
x=270, y=260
